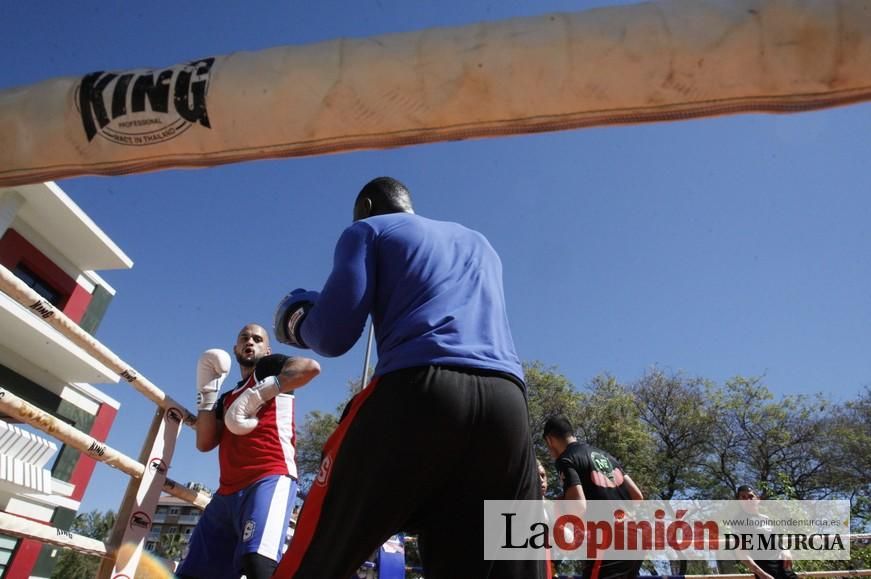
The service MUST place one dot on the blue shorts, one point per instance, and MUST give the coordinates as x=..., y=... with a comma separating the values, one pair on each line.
x=253, y=520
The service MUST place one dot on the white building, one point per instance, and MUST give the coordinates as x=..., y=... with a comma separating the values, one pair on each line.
x=56, y=249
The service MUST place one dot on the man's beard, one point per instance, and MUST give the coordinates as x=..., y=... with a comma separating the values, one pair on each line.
x=244, y=363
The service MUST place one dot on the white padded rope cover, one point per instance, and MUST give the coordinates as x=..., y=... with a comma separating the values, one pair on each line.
x=658, y=61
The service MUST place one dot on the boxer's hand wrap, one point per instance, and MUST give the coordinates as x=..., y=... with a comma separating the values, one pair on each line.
x=212, y=368
x=291, y=312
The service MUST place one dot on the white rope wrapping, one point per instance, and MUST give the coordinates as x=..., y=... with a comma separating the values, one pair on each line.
x=21, y=527
x=21, y=293
x=99, y=451
x=664, y=60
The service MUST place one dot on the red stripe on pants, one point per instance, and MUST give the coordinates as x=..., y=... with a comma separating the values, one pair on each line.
x=596, y=566
x=314, y=503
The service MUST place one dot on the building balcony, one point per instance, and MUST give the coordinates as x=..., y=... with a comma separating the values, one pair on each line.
x=64, y=225
x=27, y=343
x=23, y=456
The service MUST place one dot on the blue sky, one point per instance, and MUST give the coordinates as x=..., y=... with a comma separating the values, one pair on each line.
x=735, y=245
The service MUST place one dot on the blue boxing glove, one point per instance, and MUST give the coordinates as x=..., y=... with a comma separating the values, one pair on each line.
x=290, y=314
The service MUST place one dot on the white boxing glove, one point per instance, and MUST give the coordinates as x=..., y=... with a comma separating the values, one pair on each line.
x=241, y=416
x=212, y=368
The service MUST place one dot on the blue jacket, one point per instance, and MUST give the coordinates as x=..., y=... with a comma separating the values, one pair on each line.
x=433, y=288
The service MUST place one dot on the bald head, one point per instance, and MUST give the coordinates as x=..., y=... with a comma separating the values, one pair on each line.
x=382, y=196
x=252, y=343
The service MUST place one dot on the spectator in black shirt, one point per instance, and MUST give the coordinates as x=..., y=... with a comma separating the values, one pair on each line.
x=590, y=474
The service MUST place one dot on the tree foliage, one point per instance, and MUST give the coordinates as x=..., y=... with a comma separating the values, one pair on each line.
x=171, y=546
x=548, y=393
x=783, y=447
x=687, y=437
x=673, y=408
x=73, y=565
x=311, y=437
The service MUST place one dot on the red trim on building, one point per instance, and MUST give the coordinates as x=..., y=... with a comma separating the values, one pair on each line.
x=84, y=468
x=77, y=304
x=22, y=563
x=14, y=249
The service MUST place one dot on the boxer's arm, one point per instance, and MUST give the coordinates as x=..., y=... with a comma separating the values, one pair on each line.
x=276, y=374
x=336, y=322
x=212, y=368
x=208, y=430
x=296, y=372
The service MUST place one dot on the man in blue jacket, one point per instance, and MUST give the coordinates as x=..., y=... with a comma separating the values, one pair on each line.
x=442, y=426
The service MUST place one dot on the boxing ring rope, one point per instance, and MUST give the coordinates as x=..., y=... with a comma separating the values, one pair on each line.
x=666, y=60
x=121, y=553
x=21, y=293
x=27, y=529
x=99, y=451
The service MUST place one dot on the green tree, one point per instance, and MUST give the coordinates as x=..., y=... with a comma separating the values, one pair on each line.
x=73, y=565
x=673, y=408
x=171, y=546
x=851, y=473
x=780, y=446
x=311, y=437
x=549, y=393
x=610, y=419
x=316, y=429
x=720, y=476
